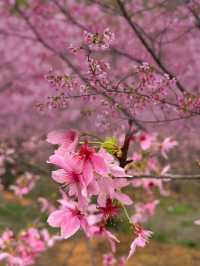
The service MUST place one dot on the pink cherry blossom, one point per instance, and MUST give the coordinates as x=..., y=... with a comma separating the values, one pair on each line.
x=22, y=249
x=6, y=237
x=146, y=140
x=122, y=261
x=111, y=188
x=136, y=157
x=112, y=164
x=92, y=162
x=71, y=174
x=109, y=210
x=25, y=184
x=144, y=211
x=149, y=184
x=46, y=205
x=69, y=219
x=33, y=238
x=102, y=232
x=109, y=259
x=49, y=240
x=67, y=141
x=142, y=238
x=167, y=145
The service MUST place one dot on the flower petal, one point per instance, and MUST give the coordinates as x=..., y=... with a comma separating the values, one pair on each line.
x=70, y=227
x=56, y=218
x=99, y=165
x=87, y=173
x=60, y=176
x=123, y=198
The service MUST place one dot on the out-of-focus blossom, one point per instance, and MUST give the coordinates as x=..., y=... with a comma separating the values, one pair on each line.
x=146, y=140
x=144, y=211
x=136, y=157
x=109, y=259
x=46, y=205
x=122, y=261
x=167, y=145
x=24, y=184
x=197, y=222
x=24, y=248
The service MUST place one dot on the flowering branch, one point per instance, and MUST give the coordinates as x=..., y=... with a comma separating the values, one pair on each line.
x=146, y=45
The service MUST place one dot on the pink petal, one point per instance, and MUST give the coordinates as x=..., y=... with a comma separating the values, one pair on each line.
x=56, y=137
x=132, y=249
x=56, y=218
x=70, y=227
x=68, y=139
x=57, y=160
x=60, y=176
x=102, y=199
x=125, y=199
x=111, y=236
x=99, y=165
x=93, y=188
x=121, y=182
x=141, y=242
x=117, y=171
x=87, y=172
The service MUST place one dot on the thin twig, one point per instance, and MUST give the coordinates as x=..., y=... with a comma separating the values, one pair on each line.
x=170, y=177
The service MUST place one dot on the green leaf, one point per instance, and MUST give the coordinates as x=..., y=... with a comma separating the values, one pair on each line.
x=111, y=145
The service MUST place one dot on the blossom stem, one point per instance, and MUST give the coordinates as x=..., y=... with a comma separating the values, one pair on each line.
x=126, y=214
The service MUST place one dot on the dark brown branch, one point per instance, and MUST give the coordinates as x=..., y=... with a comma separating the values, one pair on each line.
x=125, y=148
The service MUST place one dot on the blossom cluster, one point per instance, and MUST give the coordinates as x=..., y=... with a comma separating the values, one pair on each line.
x=23, y=249
x=93, y=182
x=24, y=184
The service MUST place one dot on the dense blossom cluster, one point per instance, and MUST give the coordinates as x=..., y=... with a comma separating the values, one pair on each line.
x=89, y=171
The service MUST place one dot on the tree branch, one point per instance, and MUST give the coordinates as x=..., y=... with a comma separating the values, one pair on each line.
x=120, y=108
x=146, y=45
x=171, y=177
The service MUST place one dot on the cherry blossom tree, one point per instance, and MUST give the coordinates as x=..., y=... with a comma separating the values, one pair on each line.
x=118, y=77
